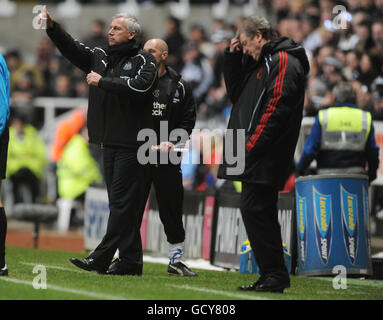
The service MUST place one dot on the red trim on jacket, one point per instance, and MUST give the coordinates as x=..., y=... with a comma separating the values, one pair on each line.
x=273, y=102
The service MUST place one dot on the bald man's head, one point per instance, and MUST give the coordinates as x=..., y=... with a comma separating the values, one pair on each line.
x=158, y=48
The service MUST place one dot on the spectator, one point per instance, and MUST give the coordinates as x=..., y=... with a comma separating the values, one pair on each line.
x=363, y=95
x=368, y=69
x=44, y=55
x=97, y=36
x=24, y=91
x=332, y=72
x=81, y=89
x=215, y=103
x=350, y=69
x=77, y=169
x=17, y=67
x=63, y=87
x=281, y=8
x=377, y=111
x=199, y=36
x=377, y=33
x=290, y=27
x=316, y=92
x=323, y=53
x=378, y=10
x=175, y=40
x=26, y=160
x=197, y=71
x=54, y=68
x=347, y=38
x=348, y=146
x=311, y=38
x=65, y=130
x=363, y=31
x=221, y=39
x=190, y=159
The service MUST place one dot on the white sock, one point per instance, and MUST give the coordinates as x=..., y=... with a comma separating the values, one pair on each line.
x=176, y=251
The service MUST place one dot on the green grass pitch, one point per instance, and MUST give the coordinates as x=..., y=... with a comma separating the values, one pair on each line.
x=66, y=282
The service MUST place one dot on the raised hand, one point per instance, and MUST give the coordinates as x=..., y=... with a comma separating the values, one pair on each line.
x=235, y=45
x=45, y=19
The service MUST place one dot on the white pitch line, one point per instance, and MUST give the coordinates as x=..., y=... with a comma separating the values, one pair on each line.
x=53, y=267
x=68, y=290
x=223, y=293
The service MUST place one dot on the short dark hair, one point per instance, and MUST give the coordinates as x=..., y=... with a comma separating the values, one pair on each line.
x=344, y=92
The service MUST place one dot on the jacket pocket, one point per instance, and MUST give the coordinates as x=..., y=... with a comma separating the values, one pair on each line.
x=255, y=110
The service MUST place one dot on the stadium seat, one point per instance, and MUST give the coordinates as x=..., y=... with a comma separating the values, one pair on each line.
x=36, y=213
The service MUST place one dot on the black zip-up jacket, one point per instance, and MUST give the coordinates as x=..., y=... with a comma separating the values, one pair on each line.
x=267, y=97
x=181, y=107
x=121, y=104
x=180, y=110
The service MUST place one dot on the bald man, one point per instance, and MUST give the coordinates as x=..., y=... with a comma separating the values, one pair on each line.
x=174, y=107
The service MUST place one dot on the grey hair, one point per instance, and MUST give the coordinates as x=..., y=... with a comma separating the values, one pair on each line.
x=344, y=92
x=131, y=22
x=253, y=24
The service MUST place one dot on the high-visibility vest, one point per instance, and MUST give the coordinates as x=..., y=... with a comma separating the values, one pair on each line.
x=344, y=128
x=77, y=169
x=29, y=152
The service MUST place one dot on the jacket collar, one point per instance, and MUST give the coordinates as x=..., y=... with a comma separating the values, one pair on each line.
x=346, y=104
x=174, y=75
x=117, y=51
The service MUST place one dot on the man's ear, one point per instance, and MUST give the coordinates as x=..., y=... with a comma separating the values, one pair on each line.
x=131, y=35
x=165, y=55
x=258, y=36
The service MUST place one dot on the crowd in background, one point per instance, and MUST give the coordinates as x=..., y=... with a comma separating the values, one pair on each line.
x=353, y=53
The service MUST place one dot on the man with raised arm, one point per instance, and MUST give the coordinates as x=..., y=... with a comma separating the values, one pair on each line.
x=120, y=78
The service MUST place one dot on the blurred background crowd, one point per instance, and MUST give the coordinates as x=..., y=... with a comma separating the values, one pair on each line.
x=353, y=53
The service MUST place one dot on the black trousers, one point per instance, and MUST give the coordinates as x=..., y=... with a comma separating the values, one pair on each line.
x=25, y=177
x=122, y=174
x=260, y=216
x=167, y=181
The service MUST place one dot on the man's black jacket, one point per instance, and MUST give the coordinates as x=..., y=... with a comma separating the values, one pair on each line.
x=121, y=104
x=180, y=111
x=267, y=97
x=181, y=107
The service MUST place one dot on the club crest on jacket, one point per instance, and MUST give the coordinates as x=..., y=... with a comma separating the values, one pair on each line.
x=127, y=66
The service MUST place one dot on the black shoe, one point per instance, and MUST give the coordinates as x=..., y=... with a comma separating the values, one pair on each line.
x=180, y=269
x=272, y=284
x=121, y=268
x=4, y=271
x=251, y=287
x=88, y=264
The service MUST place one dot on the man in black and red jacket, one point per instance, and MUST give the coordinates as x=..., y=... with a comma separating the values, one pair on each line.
x=120, y=78
x=265, y=77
